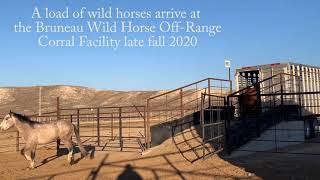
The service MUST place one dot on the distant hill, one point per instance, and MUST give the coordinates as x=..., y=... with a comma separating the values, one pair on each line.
x=26, y=99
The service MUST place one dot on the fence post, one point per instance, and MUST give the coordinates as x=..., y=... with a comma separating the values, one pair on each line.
x=145, y=125
x=17, y=142
x=58, y=118
x=112, y=125
x=78, y=120
x=58, y=108
x=202, y=124
x=166, y=107
x=120, y=129
x=227, y=125
x=181, y=103
x=98, y=125
x=209, y=92
x=71, y=117
x=148, y=125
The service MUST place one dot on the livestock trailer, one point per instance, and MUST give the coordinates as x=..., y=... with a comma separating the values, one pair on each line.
x=297, y=78
x=275, y=103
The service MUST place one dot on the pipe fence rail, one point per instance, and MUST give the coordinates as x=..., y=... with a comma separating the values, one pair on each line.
x=107, y=128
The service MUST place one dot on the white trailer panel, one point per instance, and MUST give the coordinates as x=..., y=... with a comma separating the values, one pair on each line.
x=306, y=79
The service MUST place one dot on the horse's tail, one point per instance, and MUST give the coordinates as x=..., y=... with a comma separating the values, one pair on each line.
x=76, y=132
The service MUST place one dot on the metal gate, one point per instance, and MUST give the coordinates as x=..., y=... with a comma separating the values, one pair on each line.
x=212, y=119
x=110, y=128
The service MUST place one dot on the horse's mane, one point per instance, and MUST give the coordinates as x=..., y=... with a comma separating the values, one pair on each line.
x=24, y=119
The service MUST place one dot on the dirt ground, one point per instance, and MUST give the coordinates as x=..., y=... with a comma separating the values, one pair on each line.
x=171, y=160
x=177, y=158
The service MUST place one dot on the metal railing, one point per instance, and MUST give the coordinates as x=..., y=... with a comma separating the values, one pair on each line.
x=98, y=125
x=182, y=101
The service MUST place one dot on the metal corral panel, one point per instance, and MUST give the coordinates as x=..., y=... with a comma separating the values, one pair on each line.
x=306, y=79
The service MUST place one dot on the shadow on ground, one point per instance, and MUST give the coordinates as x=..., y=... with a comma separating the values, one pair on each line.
x=279, y=166
x=64, y=152
x=161, y=166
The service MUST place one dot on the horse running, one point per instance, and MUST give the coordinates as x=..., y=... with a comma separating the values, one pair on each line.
x=35, y=133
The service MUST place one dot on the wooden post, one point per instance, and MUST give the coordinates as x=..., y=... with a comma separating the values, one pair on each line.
x=98, y=126
x=120, y=129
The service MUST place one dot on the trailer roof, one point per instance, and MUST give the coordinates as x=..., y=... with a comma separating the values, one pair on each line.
x=282, y=64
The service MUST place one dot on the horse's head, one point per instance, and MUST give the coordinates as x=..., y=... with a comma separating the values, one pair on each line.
x=7, y=122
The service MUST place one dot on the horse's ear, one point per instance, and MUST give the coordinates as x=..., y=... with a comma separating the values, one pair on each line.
x=10, y=113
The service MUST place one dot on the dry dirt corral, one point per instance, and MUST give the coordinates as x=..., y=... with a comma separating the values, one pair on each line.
x=171, y=160
x=163, y=162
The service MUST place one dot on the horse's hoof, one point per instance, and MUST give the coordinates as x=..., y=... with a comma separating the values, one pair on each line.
x=71, y=163
x=30, y=168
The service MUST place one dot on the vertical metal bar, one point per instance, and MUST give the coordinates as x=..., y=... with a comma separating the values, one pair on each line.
x=58, y=118
x=197, y=93
x=300, y=103
x=71, y=118
x=307, y=82
x=281, y=90
x=98, y=126
x=166, y=107
x=17, y=141
x=145, y=125
x=202, y=124
x=40, y=100
x=181, y=103
x=78, y=120
x=258, y=110
x=112, y=126
x=318, y=89
x=120, y=129
x=230, y=84
x=282, y=111
x=209, y=92
x=148, y=124
x=294, y=83
x=226, y=126
x=314, y=89
x=58, y=108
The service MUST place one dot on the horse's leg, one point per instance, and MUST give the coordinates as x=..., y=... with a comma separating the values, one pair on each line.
x=29, y=148
x=22, y=151
x=33, y=156
x=69, y=145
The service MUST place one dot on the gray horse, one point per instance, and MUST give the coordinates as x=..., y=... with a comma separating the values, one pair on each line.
x=35, y=133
